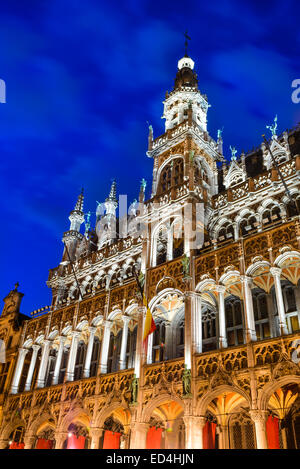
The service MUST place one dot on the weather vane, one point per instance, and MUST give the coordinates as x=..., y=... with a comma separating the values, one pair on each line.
x=187, y=38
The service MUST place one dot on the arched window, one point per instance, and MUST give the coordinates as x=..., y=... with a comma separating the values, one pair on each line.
x=261, y=316
x=16, y=438
x=79, y=364
x=180, y=338
x=293, y=207
x=271, y=215
x=131, y=348
x=161, y=245
x=51, y=366
x=248, y=225
x=63, y=366
x=242, y=432
x=171, y=175
x=292, y=314
x=209, y=330
x=24, y=376
x=234, y=321
x=95, y=357
x=159, y=342
x=226, y=233
x=114, y=352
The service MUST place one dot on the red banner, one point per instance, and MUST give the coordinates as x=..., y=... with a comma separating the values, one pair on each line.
x=272, y=427
x=111, y=440
x=44, y=444
x=153, y=438
x=76, y=443
x=16, y=445
x=209, y=435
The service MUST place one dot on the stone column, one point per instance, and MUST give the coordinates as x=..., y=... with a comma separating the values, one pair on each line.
x=95, y=437
x=58, y=360
x=60, y=438
x=194, y=432
x=248, y=310
x=29, y=441
x=275, y=271
x=197, y=324
x=105, y=346
x=170, y=245
x=72, y=356
x=259, y=418
x=18, y=370
x=139, y=435
x=139, y=340
x=43, y=365
x=188, y=306
x=169, y=346
x=149, y=349
x=222, y=320
x=87, y=363
x=236, y=231
x=35, y=349
x=126, y=320
x=3, y=443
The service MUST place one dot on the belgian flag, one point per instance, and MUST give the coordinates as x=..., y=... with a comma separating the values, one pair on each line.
x=149, y=326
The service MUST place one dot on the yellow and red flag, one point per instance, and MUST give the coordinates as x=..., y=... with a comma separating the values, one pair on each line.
x=149, y=325
x=149, y=321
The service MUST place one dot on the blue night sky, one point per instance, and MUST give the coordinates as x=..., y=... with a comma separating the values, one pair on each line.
x=84, y=77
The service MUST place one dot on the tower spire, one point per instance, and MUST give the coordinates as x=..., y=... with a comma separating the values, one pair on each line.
x=113, y=193
x=79, y=203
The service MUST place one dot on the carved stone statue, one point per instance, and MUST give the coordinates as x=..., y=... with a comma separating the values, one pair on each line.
x=185, y=266
x=134, y=389
x=233, y=152
x=273, y=127
x=186, y=379
x=220, y=131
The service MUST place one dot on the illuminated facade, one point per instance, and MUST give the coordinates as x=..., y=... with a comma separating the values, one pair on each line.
x=221, y=369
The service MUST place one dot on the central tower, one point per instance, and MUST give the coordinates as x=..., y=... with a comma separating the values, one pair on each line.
x=185, y=100
x=184, y=170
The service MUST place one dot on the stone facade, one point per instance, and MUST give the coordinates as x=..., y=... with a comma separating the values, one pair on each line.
x=218, y=247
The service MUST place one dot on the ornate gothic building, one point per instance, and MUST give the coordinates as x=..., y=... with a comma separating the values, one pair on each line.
x=217, y=247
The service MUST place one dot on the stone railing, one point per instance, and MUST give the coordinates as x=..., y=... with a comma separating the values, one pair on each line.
x=265, y=179
x=106, y=252
x=266, y=352
x=171, y=370
x=263, y=243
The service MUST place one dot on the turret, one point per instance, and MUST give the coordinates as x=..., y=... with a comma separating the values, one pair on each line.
x=72, y=237
x=12, y=302
x=185, y=102
x=106, y=226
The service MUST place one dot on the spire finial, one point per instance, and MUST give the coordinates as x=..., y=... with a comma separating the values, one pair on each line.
x=273, y=127
x=187, y=38
x=113, y=192
x=79, y=203
x=16, y=286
